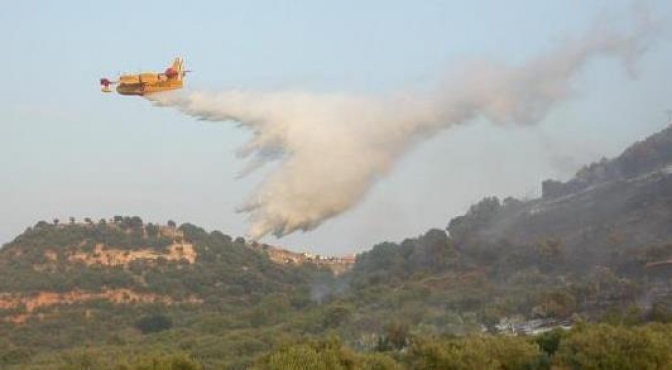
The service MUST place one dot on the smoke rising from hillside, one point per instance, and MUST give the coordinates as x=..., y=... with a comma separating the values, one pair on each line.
x=331, y=148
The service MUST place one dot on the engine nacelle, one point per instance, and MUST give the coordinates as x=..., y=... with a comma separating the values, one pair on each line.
x=170, y=73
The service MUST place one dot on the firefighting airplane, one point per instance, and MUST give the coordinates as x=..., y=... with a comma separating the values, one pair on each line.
x=148, y=82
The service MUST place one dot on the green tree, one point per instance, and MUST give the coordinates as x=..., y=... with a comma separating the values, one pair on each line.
x=474, y=352
x=154, y=323
x=615, y=348
x=395, y=336
x=335, y=315
x=163, y=362
x=312, y=355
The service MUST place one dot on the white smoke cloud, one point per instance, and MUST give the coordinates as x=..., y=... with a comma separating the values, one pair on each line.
x=331, y=148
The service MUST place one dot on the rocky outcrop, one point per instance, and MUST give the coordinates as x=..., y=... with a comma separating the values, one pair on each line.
x=29, y=304
x=338, y=265
x=117, y=257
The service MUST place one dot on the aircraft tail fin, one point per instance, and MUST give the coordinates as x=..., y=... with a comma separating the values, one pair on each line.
x=178, y=66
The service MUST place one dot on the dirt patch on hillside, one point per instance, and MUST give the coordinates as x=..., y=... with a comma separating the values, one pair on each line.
x=117, y=257
x=31, y=303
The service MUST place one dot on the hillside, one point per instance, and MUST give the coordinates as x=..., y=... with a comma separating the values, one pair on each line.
x=127, y=254
x=80, y=283
x=604, y=215
x=596, y=248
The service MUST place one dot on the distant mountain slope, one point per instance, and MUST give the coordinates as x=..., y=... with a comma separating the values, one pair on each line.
x=608, y=208
x=653, y=154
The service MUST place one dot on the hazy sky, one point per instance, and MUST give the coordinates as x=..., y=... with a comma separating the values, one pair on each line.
x=69, y=150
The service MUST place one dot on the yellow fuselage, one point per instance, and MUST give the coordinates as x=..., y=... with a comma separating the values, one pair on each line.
x=147, y=83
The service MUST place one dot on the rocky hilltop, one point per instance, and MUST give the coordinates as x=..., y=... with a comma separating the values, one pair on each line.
x=126, y=262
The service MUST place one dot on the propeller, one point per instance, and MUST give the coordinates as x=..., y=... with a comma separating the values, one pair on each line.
x=107, y=82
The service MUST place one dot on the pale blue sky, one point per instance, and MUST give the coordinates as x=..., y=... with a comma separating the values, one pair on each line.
x=67, y=149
